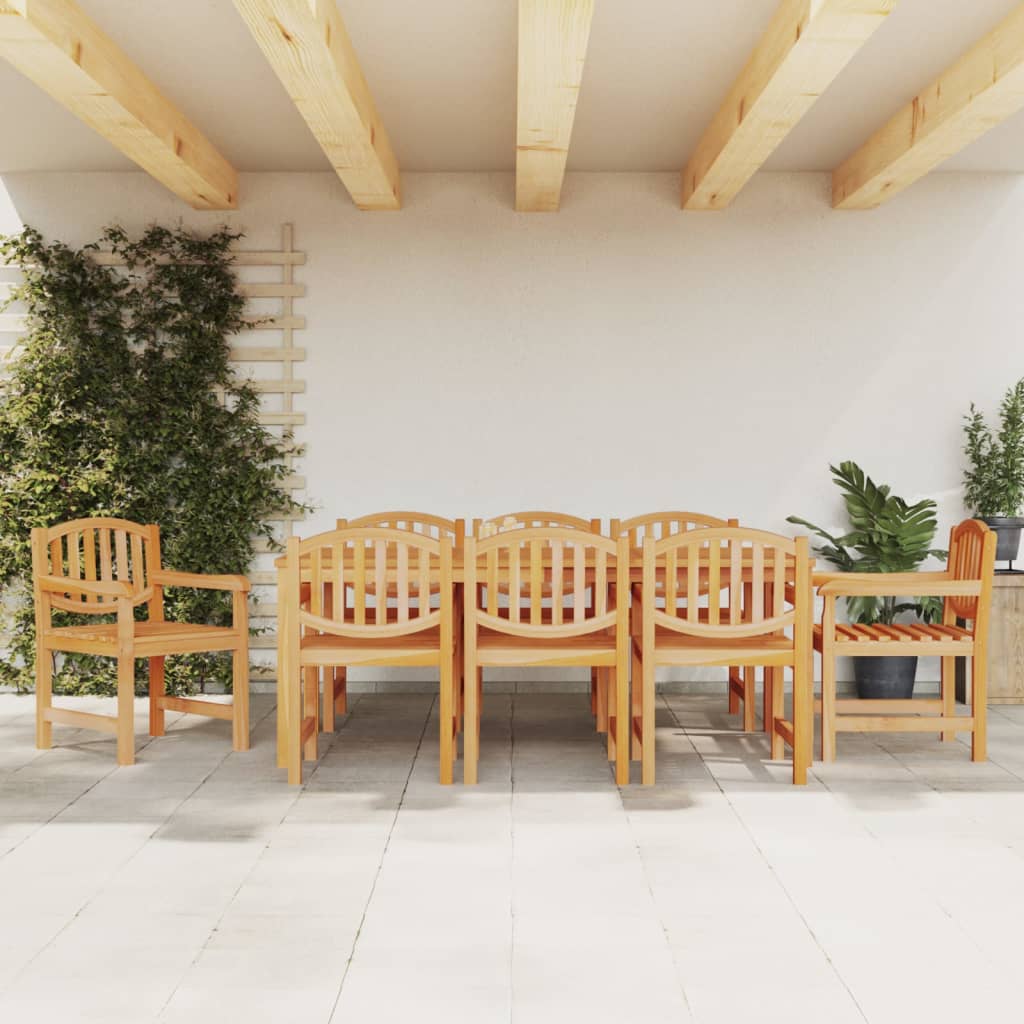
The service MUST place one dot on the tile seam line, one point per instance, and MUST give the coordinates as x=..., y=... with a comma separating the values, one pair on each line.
x=227, y=904
x=74, y=917
x=778, y=881
x=380, y=863
x=694, y=1016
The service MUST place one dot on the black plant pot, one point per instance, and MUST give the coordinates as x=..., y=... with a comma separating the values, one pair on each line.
x=886, y=677
x=1008, y=530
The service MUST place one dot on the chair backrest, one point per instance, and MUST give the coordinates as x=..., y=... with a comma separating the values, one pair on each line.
x=972, y=553
x=722, y=583
x=415, y=522
x=96, y=549
x=382, y=581
x=483, y=528
x=545, y=581
x=663, y=524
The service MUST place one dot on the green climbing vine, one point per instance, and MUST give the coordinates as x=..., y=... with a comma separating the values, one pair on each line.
x=122, y=401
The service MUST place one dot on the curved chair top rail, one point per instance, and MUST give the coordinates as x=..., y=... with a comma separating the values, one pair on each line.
x=416, y=522
x=100, y=549
x=664, y=524
x=98, y=523
x=972, y=553
x=544, y=582
x=382, y=581
x=742, y=535
x=368, y=535
x=731, y=582
x=534, y=520
x=546, y=536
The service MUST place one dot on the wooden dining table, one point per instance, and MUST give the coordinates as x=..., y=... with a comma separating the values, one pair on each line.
x=742, y=574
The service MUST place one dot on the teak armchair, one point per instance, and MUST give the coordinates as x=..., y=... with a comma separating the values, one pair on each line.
x=541, y=596
x=381, y=584
x=109, y=567
x=966, y=589
x=733, y=597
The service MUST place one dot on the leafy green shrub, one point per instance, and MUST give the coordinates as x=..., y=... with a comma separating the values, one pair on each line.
x=122, y=401
x=886, y=535
x=994, y=479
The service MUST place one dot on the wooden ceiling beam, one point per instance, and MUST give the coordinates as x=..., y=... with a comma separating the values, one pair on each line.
x=552, y=48
x=307, y=45
x=54, y=44
x=983, y=88
x=806, y=45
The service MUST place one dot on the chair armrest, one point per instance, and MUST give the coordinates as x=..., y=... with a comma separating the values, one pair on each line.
x=95, y=588
x=894, y=584
x=199, y=580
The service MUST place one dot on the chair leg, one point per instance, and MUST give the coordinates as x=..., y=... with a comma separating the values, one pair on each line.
x=623, y=723
x=593, y=691
x=734, y=700
x=776, y=681
x=282, y=712
x=291, y=679
x=767, y=688
x=828, y=706
x=327, y=713
x=471, y=725
x=602, y=700
x=44, y=697
x=647, y=722
x=611, y=688
x=948, y=695
x=636, y=702
x=240, y=699
x=803, y=718
x=979, y=702
x=157, y=690
x=749, y=707
x=126, y=710
x=339, y=689
x=311, y=690
x=447, y=736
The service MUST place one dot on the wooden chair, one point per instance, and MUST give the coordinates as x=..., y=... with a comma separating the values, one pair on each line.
x=109, y=567
x=537, y=520
x=666, y=524
x=729, y=596
x=540, y=596
x=382, y=582
x=415, y=522
x=966, y=589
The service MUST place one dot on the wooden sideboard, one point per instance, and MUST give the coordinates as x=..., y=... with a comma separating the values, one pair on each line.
x=1006, y=644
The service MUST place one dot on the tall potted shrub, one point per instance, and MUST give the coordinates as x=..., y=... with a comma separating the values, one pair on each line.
x=887, y=534
x=994, y=479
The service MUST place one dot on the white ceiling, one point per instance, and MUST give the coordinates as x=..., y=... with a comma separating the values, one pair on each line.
x=443, y=74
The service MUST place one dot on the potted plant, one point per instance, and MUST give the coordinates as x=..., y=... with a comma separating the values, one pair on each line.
x=994, y=480
x=886, y=535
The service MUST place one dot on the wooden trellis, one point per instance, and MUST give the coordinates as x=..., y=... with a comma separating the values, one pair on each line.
x=275, y=353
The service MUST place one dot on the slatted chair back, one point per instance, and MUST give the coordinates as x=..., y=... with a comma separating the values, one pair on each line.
x=531, y=521
x=546, y=582
x=663, y=524
x=415, y=522
x=727, y=583
x=384, y=582
x=972, y=552
x=102, y=549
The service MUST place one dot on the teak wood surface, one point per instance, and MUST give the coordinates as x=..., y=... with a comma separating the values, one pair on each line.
x=92, y=567
x=595, y=573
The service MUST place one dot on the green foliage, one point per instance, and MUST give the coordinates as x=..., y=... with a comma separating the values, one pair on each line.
x=994, y=479
x=114, y=408
x=886, y=535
